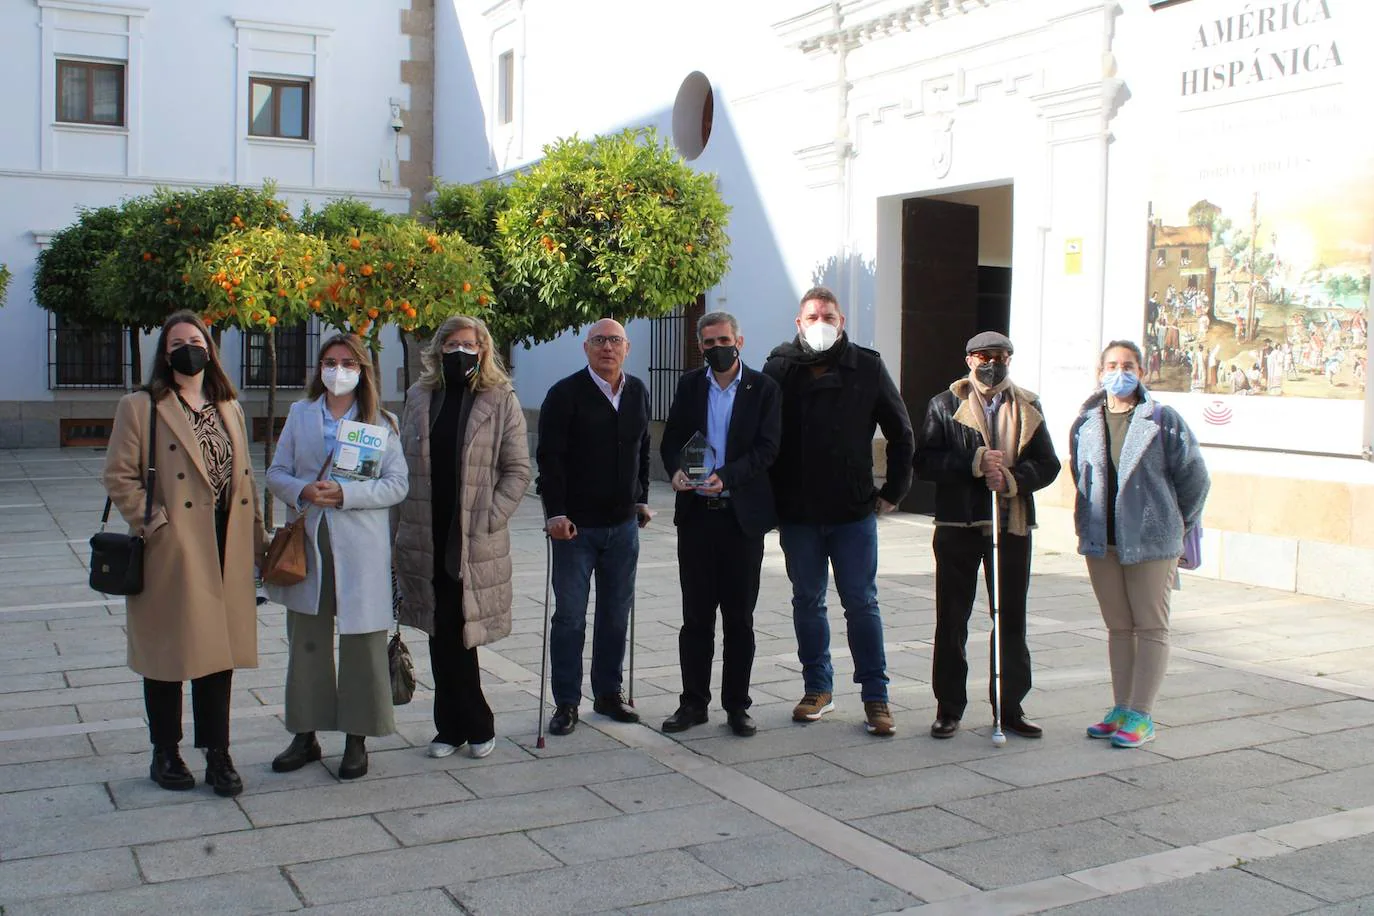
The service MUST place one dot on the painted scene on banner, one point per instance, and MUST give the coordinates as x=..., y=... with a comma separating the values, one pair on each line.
x=1260, y=236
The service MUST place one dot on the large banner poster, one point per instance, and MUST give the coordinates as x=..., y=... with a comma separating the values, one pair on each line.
x=1261, y=223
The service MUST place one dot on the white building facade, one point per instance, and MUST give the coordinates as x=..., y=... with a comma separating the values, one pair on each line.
x=1039, y=166
x=111, y=100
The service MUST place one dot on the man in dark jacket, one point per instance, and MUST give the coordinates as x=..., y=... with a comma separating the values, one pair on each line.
x=722, y=519
x=834, y=395
x=593, y=459
x=983, y=439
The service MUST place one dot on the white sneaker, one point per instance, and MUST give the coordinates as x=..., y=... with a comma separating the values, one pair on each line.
x=481, y=750
x=440, y=749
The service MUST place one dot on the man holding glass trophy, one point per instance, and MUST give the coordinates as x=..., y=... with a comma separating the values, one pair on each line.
x=722, y=435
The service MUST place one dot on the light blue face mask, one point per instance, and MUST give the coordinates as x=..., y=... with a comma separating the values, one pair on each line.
x=1120, y=383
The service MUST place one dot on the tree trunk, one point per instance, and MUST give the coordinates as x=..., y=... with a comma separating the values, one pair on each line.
x=271, y=436
x=405, y=359
x=136, y=356
x=375, y=347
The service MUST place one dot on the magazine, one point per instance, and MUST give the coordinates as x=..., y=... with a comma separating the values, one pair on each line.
x=358, y=455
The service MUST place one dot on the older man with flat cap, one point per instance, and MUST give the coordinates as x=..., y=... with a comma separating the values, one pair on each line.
x=983, y=439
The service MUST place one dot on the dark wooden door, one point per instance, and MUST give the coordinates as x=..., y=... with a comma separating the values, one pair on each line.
x=939, y=308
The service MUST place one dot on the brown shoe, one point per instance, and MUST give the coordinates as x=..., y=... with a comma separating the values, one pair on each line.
x=878, y=719
x=813, y=706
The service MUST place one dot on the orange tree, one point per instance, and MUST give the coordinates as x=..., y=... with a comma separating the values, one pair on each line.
x=261, y=280
x=472, y=210
x=402, y=274
x=63, y=282
x=615, y=226
x=147, y=274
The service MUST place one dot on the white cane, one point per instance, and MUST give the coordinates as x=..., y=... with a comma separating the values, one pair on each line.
x=998, y=738
x=544, y=656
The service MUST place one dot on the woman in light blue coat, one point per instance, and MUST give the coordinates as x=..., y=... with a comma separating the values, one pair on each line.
x=348, y=560
x=1141, y=485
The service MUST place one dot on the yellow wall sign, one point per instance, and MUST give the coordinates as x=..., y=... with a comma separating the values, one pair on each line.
x=1073, y=256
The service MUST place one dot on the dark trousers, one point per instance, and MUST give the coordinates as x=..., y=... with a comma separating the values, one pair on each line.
x=461, y=713
x=612, y=555
x=959, y=552
x=718, y=566
x=209, y=706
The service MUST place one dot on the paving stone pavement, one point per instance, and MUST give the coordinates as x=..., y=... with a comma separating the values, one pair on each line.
x=1257, y=797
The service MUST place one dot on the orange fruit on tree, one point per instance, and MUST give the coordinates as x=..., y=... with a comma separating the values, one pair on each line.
x=365, y=270
x=689, y=247
x=482, y=299
x=372, y=313
x=236, y=280
x=281, y=294
x=272, y=320
x=467, y=287
x=355, y=244
x=389, y=265
x=147, y=255
x=342, y=268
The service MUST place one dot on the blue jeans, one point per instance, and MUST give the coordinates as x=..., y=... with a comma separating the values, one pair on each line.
x=852, y=549
x=613, y=554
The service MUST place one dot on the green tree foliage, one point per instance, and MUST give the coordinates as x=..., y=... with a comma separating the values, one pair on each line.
x=67, y=266
x=471, y=211
x=618, y=225
x=341, y=219
x=4, y=282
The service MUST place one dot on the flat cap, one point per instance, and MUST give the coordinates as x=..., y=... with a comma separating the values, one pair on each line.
x=988, y=340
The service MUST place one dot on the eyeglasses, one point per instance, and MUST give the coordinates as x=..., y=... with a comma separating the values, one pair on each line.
x=460, y=347
x=332, y=363
x=984, y=357
x=600, y=340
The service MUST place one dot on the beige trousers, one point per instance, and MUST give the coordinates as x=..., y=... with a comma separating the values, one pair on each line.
x=1135, y=606
x=358, y=700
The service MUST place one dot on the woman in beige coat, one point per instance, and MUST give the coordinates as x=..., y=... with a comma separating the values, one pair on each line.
x=196, y=618
x=464, y=437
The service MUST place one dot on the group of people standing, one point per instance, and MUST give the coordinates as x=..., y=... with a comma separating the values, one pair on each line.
x=791, y=447
x=788, y=446
x=453, y=469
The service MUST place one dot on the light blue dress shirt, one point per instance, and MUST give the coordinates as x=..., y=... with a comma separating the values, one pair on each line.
x=720, y=404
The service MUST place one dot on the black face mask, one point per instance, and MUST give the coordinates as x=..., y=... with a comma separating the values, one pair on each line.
x=991, y=374
x=721, y=358
x=189, y=360
x=459, y=366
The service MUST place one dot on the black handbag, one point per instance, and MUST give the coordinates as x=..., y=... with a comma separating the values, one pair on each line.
x=117, y=559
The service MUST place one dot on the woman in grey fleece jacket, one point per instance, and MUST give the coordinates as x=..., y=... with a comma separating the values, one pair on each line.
x=1141, y=485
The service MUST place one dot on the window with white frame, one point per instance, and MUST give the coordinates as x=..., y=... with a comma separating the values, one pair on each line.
x=505, y=88
x=278, y=108
x=90, y=92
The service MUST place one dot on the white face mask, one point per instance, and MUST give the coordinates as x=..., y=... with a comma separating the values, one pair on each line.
x=339, y=380
x=821, y=336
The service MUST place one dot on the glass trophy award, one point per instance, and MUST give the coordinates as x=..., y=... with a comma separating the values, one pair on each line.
x=698, y=460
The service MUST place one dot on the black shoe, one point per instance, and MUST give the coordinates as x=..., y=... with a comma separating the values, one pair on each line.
x=614, y=705
x=944, y=727
x=220, y=774
x=684, y=718
x=741, y=723
x=169, y=770
x=1023, y=727
x=303, y=749
x=354, y=763
x=564, y=720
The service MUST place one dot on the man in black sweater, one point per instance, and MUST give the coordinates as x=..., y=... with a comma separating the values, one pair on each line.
x=721, y=521
x=834, y=395
x=593, y=459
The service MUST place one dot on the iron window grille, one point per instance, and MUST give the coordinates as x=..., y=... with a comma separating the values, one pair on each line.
x=673, y=349
x=86, y=357
x=295, y=364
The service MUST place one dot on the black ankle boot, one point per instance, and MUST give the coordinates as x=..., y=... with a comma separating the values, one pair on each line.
x=354, y=763
x=220, y=774
x=169, y=770
x=303, y=749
